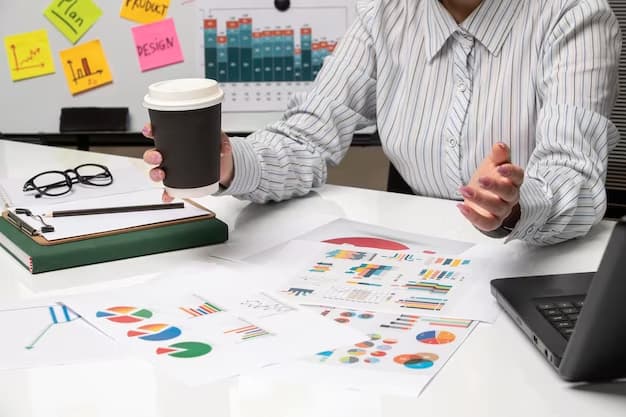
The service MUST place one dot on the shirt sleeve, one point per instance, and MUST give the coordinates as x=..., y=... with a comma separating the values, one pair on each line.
x=563, y=193
x=289, y=157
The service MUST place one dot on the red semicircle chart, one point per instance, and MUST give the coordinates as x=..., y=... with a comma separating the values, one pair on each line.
x=368, y=242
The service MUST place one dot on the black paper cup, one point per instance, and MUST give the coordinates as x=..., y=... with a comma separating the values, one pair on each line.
x=186, y=123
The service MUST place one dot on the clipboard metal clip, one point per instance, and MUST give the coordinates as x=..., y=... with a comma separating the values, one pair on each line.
x=26, y=227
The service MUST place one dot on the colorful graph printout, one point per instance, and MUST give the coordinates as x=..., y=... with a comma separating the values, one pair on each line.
x=201, y=310
x=185, y=350
x=157, y=44
x=379, y=280
x=49, y=334
x=434, y=337
x=346, y=254
x=29, y=55
x=247, y=332
x=368, y=270
x=449, y=262
x=155, y=332
x=124, y=314
x=73, y=18
x=85, y=67
x=321, y=267
x=145, y=11
x=58, y=314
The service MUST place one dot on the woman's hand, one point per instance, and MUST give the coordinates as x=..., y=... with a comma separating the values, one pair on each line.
x=492, y=195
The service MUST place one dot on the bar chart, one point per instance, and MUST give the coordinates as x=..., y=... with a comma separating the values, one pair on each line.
x=262, y=56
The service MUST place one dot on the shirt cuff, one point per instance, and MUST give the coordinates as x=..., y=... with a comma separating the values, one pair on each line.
x=247, y=166
x=535, y=202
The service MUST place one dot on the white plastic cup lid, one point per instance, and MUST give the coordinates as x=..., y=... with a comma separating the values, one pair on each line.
x=183, y=94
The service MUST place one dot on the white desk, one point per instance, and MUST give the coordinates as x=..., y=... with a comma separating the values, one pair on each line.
x=497, y=372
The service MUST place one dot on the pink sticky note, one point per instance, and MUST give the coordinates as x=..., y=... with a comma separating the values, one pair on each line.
x=157, y=44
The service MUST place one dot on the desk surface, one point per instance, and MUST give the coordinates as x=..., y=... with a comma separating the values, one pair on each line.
x=497, y=372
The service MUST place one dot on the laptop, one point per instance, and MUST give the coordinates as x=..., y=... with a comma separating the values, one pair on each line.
x=577, y=321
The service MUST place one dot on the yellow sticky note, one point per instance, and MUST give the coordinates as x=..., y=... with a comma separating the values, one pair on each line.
x=73, y=17
x=29, y=54
x=144, y=11
x=85, y=67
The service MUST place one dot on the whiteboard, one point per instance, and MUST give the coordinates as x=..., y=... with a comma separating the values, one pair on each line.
x=34, y=105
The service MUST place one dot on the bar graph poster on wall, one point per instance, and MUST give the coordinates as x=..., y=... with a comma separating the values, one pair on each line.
x=261, y=55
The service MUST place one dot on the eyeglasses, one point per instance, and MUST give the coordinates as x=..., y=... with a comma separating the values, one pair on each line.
x=56, y=183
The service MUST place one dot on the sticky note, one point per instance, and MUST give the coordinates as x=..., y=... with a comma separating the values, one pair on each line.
x=144, y=11
x=73, y=17
x=29, y=54
x=157, y=44
x=85, y=67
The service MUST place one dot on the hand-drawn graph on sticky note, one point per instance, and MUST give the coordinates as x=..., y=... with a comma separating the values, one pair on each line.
x=73, y=18
x=261, y=55
x=85, y=67
x=29, y=55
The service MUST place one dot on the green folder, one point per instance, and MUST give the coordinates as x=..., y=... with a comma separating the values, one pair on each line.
x=42, y=258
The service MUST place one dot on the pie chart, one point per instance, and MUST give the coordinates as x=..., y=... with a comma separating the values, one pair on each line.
x=124, y=314
x=433, y=337
x=185, y=350
x=155, y=332
x=368, y=242
x=416, y=360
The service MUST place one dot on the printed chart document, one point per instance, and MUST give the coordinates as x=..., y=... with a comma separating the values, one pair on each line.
x=396, y=281
x=401, y=354
x=207, y=322
x=47, y=333
x=351, y=233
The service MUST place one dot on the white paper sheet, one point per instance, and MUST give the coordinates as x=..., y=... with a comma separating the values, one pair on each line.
x=397, y=360
x=47, y=333
x=381, y=280
x=71, y=226
x=350, y=233
x=126, y=179
x=207, y=322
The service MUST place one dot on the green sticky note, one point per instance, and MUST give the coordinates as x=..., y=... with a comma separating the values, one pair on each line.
x=73, y=18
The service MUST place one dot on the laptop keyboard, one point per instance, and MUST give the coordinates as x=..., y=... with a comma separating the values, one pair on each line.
x=561, y=312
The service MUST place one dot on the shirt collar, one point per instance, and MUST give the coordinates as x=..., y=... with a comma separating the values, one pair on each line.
x=490, y=24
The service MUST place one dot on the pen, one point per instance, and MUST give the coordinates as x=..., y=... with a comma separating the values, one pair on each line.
x=108, y=210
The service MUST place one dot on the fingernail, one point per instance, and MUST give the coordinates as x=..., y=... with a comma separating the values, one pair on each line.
x=156, y=175
x=154, y=158
x=502, y=145
x=462, y=209
x=146, y=131
x=484, y=182
x=467, y=192
x=504, y=171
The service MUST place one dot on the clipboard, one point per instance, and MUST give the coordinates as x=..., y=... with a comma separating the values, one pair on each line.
x=40, y=239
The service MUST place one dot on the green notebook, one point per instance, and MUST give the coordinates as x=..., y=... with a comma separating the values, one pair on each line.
x=42, y=258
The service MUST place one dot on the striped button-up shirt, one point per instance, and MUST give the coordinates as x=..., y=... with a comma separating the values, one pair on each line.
x=539, y=75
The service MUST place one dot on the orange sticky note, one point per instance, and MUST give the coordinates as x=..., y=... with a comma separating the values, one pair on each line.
x=29, y=54
x=144, y=11
x=85, y=67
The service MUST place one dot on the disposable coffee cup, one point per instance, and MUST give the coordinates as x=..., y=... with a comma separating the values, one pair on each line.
x=186, y=118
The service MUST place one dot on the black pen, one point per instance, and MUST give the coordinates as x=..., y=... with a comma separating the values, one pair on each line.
x=108, y=210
